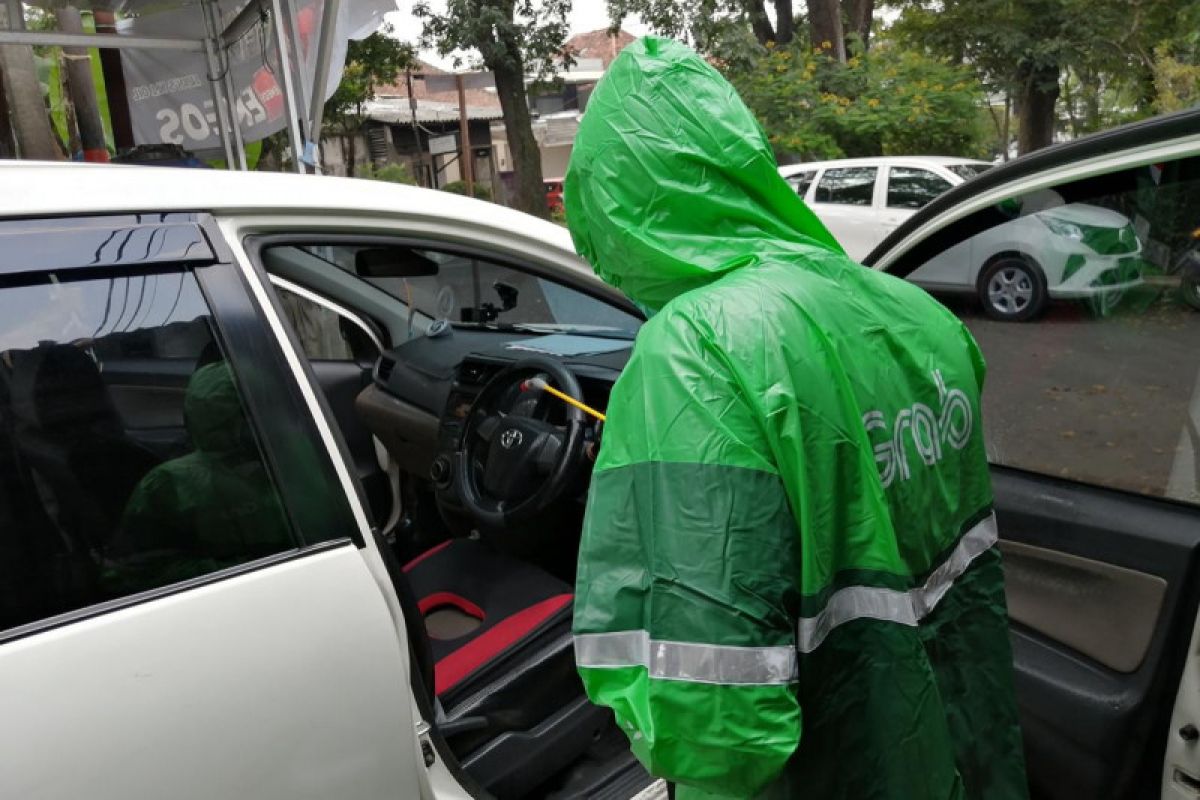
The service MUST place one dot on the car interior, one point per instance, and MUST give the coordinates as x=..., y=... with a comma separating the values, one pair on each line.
x=488, y=478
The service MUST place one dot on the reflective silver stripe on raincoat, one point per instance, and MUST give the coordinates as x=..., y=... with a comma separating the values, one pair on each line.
x=892, y=605
x=685, y=661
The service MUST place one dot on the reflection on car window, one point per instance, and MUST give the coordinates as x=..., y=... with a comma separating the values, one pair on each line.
x=324, y=334
x=853, y=186
x=801, y=181
x=469, y=289
x=968, y=171
x=1100, y=381
x=126, y=461
x=910, y=187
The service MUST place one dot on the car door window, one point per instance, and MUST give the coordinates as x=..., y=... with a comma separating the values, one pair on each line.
x=467, y=288
x=801, y=181
x=324, y=333
x=1087, y=311
x=127, y=459
x=852, y=186
x=912, y=188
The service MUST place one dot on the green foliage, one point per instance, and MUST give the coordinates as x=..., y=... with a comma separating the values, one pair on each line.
x=1176, y=82
x=390, y=173
x=1108, y=54
x=460, y=187
x=889, y=101
x=521, y=35
x=371, y=62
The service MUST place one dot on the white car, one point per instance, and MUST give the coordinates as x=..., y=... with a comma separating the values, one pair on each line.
x=1047, y=250
x=244, y=553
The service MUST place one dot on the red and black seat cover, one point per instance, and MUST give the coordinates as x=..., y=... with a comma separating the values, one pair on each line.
x=513, y=601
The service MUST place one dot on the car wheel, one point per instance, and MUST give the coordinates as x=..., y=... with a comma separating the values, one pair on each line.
x=1189, y=290
x=1013, y=289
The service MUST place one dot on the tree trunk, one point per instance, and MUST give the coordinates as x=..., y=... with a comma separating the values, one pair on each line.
x=26, y=108
x=8, y=145
x=825, y=23
x=530, y=194
x=83, y=89
x=760, y=23
x=858, y=21
x=1039, y=95
x=785, y=22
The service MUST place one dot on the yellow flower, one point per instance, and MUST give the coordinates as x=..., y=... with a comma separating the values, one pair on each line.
x=826, y=45
x=873, y=102
x=937, y=87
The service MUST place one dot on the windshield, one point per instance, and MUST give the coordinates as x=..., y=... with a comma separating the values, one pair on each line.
x=467, y=290
x=967, y=171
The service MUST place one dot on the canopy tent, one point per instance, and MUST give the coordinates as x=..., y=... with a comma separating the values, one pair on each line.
x=256, y=67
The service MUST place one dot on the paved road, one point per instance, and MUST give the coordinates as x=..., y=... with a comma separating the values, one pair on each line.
x=1103, y=400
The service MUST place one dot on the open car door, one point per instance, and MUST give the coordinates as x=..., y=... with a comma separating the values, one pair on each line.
x=1092, y=414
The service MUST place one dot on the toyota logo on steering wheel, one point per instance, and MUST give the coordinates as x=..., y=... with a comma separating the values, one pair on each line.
x=511, y=438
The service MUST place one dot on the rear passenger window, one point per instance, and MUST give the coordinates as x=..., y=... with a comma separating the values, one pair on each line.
x=852, y=186
x=127, y=461
x=801, y=181
x=909, y=187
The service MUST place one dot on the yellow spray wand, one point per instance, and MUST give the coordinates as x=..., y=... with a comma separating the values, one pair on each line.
x=538, y=383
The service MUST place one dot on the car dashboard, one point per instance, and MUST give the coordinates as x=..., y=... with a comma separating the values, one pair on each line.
x=423, y=390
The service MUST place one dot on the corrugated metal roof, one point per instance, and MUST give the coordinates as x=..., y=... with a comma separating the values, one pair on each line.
x=396, y=110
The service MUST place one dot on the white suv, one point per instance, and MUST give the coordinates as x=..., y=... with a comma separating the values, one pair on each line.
x=1047, y=250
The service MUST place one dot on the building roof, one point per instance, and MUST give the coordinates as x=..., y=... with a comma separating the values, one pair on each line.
x=600, y=44
x=435, y=101
x=397, y=111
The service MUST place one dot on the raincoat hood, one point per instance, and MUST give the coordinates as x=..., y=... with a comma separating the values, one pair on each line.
x=672, y=183
x=214, y=413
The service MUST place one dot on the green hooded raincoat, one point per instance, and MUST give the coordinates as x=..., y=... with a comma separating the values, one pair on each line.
x=788, y=584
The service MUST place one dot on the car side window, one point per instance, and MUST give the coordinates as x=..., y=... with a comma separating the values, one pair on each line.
x=801, y=181
x=324, y=334
x=852, y=186
x=1085, y=301
x=467, y=288
x=912, y=187
x=127, y=459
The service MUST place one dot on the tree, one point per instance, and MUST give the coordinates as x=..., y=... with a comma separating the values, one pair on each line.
x=374, y=61
x=1095, y=57
x=888, y=101
x=712, y=25
x=514, y=38
x=27, y=109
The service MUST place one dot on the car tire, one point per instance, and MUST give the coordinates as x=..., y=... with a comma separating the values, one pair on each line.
x=1012, y=288
x=1189, y=290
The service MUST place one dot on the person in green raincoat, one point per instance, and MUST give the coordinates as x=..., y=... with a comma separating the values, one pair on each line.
x=210, y=509
x=788, y=584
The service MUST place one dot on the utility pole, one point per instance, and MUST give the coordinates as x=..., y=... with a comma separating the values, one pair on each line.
x=464, y=132
x=83, y=91
x=114, y=83
x=416, y=130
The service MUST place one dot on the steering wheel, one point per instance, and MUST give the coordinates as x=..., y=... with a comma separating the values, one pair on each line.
x=511, y=467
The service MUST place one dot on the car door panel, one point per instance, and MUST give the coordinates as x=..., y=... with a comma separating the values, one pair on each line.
x=1086, y=566
x=248, y=676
